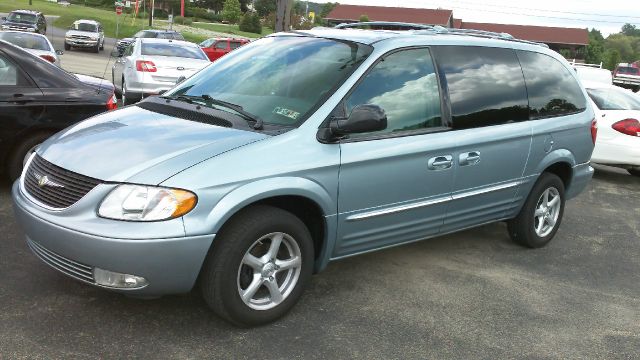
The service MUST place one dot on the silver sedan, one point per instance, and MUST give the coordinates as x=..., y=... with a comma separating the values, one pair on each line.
x=153, y=66
x=36, y=44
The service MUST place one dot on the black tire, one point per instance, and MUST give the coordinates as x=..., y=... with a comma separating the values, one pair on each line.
x=96, y=49
x=17, y=155
x=522, y=227
x=634, y=171
x=101, y=46
x=220, y=276
x=67, y=47
x=126, y=96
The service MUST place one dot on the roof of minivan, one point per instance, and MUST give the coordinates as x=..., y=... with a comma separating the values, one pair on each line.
x=370, y=37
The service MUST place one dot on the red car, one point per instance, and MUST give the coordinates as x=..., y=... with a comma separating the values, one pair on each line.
x=216, y=48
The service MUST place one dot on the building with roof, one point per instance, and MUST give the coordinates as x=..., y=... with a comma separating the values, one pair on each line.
x=352, y=13
x=571, y=42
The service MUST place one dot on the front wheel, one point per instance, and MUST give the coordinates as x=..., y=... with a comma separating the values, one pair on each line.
x=21, y=153
x=67, y=47
x=258, y=267
x=540, y=217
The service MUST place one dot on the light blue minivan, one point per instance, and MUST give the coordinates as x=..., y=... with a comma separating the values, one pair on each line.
x=306, y=147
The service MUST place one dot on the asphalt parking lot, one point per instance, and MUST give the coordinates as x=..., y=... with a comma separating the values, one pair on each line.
x=469, y=295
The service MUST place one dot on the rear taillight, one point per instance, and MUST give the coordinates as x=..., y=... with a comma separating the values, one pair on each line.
x=594, y=130
x=145, y=66
x=112, y=103
x=628, y=126
x=49, y=58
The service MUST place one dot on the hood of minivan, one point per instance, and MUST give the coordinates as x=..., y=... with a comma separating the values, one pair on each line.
x=139, y=146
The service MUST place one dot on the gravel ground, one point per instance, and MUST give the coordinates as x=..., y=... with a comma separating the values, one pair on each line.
x=469, y=295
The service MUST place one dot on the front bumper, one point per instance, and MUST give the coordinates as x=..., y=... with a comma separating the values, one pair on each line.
x=81, y=43
x=170, y=265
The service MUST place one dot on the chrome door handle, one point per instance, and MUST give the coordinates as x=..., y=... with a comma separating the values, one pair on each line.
x=470, y=158
x=442, y=162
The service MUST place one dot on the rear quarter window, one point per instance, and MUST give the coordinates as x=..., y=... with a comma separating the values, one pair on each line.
x=553, y=90
x=486, y=86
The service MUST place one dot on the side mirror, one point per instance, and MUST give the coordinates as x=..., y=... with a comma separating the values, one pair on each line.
x=363, y=118
x=4, y=18
x=181, y=79
x=116, y=53
x=59, y=52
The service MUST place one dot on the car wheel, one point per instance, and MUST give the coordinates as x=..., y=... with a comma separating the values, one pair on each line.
x=101, y=46
x=540, y=217
x=634, y=171
x=21, y=153
x=67, y=47
x=259, y=266
x=125, y=100
x=96, y=49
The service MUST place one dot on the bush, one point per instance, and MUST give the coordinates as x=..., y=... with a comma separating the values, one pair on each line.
x=231, y=11
x=182, y=20
x=251, y=23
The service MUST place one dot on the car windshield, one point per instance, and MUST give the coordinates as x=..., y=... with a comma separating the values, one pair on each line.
x=628, y=70
x=593, y=74
x=85, y=27
x=172, y=49
x=614, y=99
x=280, y=79
x=22, y=18
x=26, y=41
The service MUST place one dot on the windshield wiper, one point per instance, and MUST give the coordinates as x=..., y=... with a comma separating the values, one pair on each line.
x=258, y=123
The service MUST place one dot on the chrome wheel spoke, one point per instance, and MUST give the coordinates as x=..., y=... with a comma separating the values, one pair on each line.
x=251, y=290
x=554, y=201
x=274, y=291
x=540, y=226
x=275, y=246
x=252, y=262
x=551, y=221
x=545, y=197
x=288, y=264
x=539, y=212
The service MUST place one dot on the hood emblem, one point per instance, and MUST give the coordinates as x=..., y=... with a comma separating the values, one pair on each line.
x=180, y=68
x=44, y=181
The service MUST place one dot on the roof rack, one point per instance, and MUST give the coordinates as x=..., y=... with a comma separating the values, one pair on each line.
x=422, y=29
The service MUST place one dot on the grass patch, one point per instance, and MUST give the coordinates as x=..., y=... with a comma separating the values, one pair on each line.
x=232, y=29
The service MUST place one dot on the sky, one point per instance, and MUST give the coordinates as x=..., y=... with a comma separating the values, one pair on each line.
x=608, y=16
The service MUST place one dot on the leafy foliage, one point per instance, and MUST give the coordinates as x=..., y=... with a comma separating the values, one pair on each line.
x=251, y=23
x=231, y=11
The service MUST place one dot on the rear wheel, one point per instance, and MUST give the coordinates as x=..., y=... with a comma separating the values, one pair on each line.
x=126, y=97
x=540, y=217
x=258, y=267
x=20, y=154
x=634, y=171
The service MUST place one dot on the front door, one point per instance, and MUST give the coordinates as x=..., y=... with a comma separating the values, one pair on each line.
x=395, y=184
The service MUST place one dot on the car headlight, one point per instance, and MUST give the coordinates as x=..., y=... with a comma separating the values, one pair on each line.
x=31, y=29
x=146, y=203
x=5, y=27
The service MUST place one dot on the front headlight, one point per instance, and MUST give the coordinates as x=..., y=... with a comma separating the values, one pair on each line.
x=31, y=29
x=146, y=203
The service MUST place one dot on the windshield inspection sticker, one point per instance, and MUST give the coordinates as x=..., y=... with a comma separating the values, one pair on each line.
x=286, y=112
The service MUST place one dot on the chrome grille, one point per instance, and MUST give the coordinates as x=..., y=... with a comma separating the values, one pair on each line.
x=80, y=37
x=68, y=267
x=54, y=186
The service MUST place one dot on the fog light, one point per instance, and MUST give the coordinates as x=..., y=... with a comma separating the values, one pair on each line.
x=118, y=280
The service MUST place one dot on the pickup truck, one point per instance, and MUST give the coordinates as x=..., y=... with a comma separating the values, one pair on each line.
x=627, y=76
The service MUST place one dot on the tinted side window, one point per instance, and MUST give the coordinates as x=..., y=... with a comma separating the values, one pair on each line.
x=405, y=85
x=486, y=86
x=553, y=91
x=221, y=45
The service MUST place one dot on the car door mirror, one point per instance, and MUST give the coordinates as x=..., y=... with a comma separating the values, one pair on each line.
x=363, y=118
x=4, y=18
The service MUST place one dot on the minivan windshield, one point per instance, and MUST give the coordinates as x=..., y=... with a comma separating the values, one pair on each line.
x=278, y=79
x=614, y=99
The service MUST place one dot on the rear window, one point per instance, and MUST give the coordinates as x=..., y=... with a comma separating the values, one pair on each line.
x=614, y=99
x=485, y=85
x=146, y=34
x=628, y=70
x=169, y=49
x=26, y=41
x=553, y=90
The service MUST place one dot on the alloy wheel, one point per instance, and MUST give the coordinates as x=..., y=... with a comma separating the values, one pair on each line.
x=547, y=212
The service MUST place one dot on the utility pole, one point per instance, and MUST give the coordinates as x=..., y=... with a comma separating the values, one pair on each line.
x=151, y=3
x=283, y=15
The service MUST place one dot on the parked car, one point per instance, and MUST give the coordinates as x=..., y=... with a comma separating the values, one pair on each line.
x=307, y=148
x=216, y=48
x=152, y=66
x=36, y=44
x=85, y=34
x=593, y=73
x=25, y=20
x=617, y=111
x=627, y=76
x=38, y=99
x=122, y=44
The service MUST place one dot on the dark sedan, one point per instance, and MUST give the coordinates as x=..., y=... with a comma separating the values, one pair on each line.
x=38, y=99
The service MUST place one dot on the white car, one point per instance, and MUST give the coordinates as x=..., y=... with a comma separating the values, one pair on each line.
x=617, y=112
x=153, y=66
x=85, y=34
x=593, y=74
x=36, y=44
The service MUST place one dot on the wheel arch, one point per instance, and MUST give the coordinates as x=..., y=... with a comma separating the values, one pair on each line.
x=561, y=163
x=10, y=146
x=304, y=198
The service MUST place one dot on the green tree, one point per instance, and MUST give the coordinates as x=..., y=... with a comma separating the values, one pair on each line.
x=595, y=50
x=624, y=45
x=630, y=30
x=231, y=11
x=612, y=59
x=364, y=18
x=251, y=23
x=326, y=9
x=265, y=7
